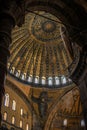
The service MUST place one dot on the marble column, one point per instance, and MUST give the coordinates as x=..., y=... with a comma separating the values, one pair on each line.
x=11, y=14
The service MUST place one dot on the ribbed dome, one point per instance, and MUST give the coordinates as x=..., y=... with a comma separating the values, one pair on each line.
x=38, y=54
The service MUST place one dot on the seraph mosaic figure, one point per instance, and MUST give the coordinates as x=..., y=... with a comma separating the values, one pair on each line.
x=42, y=102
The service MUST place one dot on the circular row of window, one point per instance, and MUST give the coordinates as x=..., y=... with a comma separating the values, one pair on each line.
x=57, y=80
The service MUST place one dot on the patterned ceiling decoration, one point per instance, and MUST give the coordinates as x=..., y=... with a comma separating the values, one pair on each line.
x=38, y=54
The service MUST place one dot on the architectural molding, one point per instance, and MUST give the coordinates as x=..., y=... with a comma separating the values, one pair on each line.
x=54, y=109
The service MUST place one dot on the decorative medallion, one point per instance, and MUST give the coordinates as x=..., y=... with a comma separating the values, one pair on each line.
x=38, y=54
x=45, y=30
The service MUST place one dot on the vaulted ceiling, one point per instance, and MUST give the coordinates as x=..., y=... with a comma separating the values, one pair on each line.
x=38, y=52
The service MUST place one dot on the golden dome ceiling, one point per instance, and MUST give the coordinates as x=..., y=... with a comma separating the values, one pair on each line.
x=38, y=54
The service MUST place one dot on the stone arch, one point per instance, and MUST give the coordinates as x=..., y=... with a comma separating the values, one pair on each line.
x=35, y=123
x=69, y=13
x=74, y=16
x=55, y=107
x=19, y=92
x=63, y=10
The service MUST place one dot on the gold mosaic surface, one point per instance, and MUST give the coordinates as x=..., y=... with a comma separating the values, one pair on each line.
x=37, y=51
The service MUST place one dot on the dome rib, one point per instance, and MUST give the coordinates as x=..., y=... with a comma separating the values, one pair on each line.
x=38, y=54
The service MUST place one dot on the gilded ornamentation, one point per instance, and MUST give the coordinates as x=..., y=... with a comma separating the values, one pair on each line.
x=38, y=52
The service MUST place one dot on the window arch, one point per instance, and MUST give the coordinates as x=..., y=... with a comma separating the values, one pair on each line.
x=65, y=122
x=17, y=73
x=21, y=123
x=63, y=78
x=27, y=126
x=23, y=76
x=21, y=112
x=6, y=102
x=43, y=80
x=5, y=116
x=36, y=79
x=30, y=78
x=82, y=123
x=14, y=105
x=57, y=81
x=13, y=120
x=50, y=81
x=12, y=70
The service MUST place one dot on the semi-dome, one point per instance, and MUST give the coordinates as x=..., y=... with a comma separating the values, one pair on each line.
x=38, y=53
